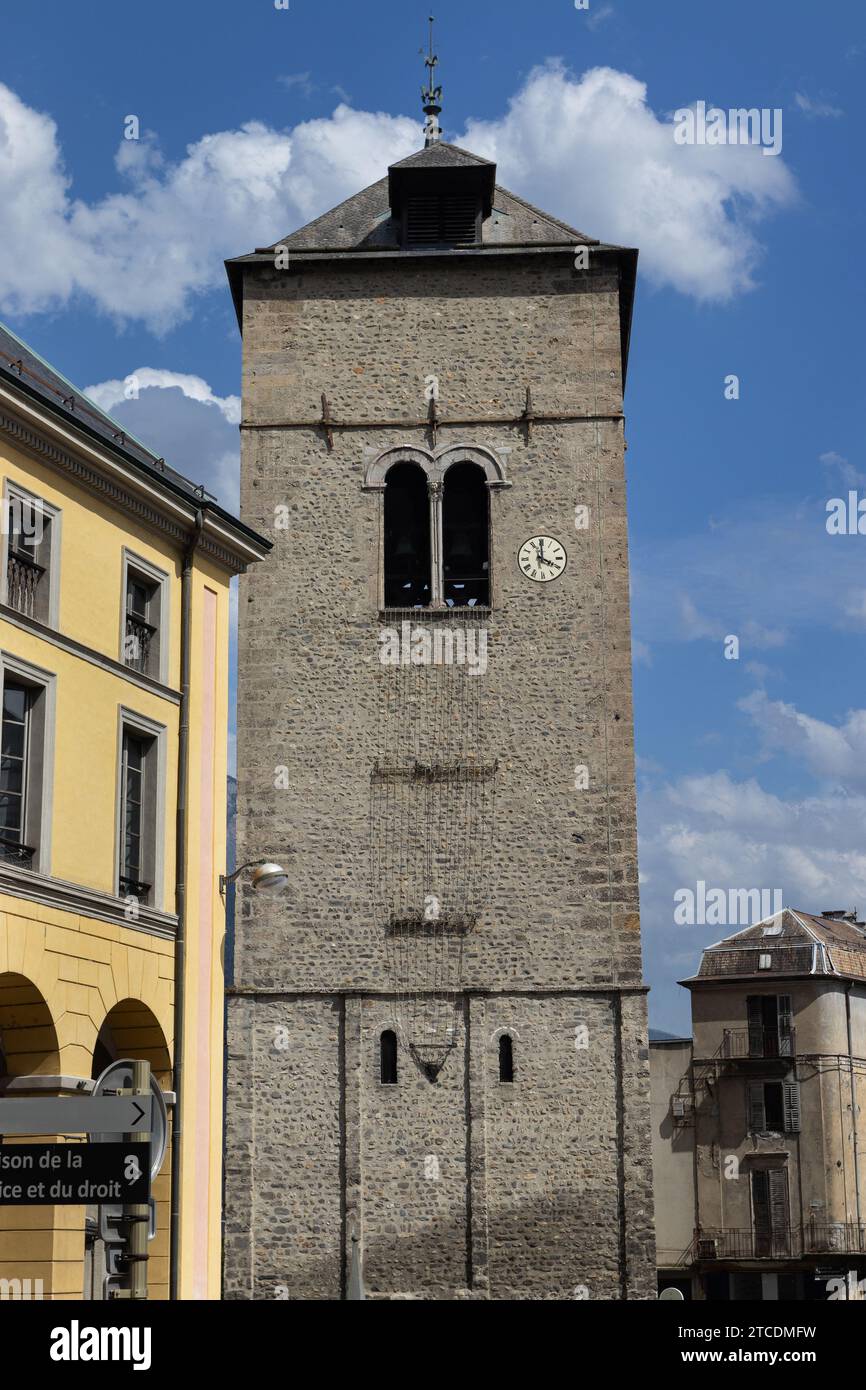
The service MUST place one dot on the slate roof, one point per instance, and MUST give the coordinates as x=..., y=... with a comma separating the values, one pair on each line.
x=22, y=367
x=364, y=221
x=365, y=225
x=798, y=943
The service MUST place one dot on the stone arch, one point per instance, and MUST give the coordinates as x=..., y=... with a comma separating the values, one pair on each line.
x=435, y=463
x=131, y=1029
x=28, y=1037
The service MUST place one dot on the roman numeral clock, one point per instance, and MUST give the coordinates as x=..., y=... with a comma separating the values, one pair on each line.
x=542, y=558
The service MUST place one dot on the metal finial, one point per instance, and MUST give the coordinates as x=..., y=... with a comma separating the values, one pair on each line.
x=432, y=97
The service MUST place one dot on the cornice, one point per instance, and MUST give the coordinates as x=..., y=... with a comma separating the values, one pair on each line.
x=58, y=893
x=125, y=499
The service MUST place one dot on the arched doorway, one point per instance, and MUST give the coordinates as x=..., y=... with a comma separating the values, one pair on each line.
x=130, y=1031
x=28, y=1048
x=28, y=1040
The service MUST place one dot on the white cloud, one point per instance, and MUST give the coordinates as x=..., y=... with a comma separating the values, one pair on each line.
x=589, y=149
x=180, y=417
x=144, y=253
x=108, y=394
x=833, y=753
x=734, y=834
x=592, y=150
x=849, y=475
x=811, y=107
x=301, y=80
x=763, y=572
x=597, y=16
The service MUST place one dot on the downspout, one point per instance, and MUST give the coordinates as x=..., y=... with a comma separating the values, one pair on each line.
x=180, y=901
x=854, y=1115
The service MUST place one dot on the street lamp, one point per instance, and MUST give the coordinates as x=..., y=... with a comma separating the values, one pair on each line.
x=268, y=877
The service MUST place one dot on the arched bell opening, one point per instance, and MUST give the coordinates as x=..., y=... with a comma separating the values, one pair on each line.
x=407, y=538
x=465, y=537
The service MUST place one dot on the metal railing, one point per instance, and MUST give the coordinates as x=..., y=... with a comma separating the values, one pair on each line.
x=13, y=852
x=785, y=1243
x=136, y=648
x=758, y=1042
x=22, y=581
x=133, y=888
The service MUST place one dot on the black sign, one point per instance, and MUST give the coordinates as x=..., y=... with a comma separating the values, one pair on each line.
x=73, y=1175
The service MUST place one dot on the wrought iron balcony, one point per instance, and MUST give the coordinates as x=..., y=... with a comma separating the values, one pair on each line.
x=844, y=1237
x=758, y=1042
x=13, y=852
x=22, y=581
x=137, y=647
x=785, y=1243
x=133, y=888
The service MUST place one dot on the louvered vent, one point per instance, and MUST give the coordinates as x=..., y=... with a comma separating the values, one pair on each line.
x=434, y=221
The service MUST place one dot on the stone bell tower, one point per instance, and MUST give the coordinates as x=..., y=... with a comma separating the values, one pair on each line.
x=437, y=1055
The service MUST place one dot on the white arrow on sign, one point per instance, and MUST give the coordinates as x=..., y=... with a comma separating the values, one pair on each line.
x=76, y=1115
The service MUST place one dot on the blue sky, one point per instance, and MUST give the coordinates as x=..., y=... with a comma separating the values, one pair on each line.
x=752, y=773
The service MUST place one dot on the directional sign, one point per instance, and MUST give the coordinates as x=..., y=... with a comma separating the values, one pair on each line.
x=118, y=1077
x=76, y=1115
x=72, y=1174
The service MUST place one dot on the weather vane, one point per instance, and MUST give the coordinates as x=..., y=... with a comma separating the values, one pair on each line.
x=432, y=97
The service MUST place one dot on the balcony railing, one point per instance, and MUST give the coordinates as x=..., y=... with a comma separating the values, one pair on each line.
x=758, y=1042
x=133, y=888
x=139, y=637
x=13, y=852
x=22, y=581
x=786, y=1243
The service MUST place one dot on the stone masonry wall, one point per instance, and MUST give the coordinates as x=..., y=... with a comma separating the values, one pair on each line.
x=538, y=1188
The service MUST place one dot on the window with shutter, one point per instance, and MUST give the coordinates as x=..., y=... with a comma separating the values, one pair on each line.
x=770, y=1212
x=785, y=1025
x=778, y=1186
x=754, y=1008
x=792, y=1107
x=757, y=1118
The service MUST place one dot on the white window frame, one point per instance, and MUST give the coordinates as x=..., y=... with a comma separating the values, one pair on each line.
x=130, y=721
x=46, y=682
x=12, y=489
x=131, y=561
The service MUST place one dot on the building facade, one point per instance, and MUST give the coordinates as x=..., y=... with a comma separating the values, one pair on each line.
x=765, y=1109
x=437, y=1039
x=114, y=616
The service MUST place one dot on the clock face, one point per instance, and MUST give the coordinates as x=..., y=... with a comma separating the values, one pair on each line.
x=542, y=558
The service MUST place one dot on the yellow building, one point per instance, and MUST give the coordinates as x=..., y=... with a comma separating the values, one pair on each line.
x=114, y=623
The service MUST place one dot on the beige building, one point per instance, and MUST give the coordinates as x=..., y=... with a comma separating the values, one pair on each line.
x=758, y=1130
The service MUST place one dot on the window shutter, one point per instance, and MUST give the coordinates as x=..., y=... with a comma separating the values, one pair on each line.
x=756, y=1025
x=778, y=1193
x=761, y=1200
x=784, y=1005
x=792, y=1107
x=757, y=1118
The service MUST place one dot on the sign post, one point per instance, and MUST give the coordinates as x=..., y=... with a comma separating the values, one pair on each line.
x=139, y=1213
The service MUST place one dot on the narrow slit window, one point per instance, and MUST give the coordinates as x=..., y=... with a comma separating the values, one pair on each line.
x=388, y=1057
x=465, y=537
x=506, y=1058
x=407, y=538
